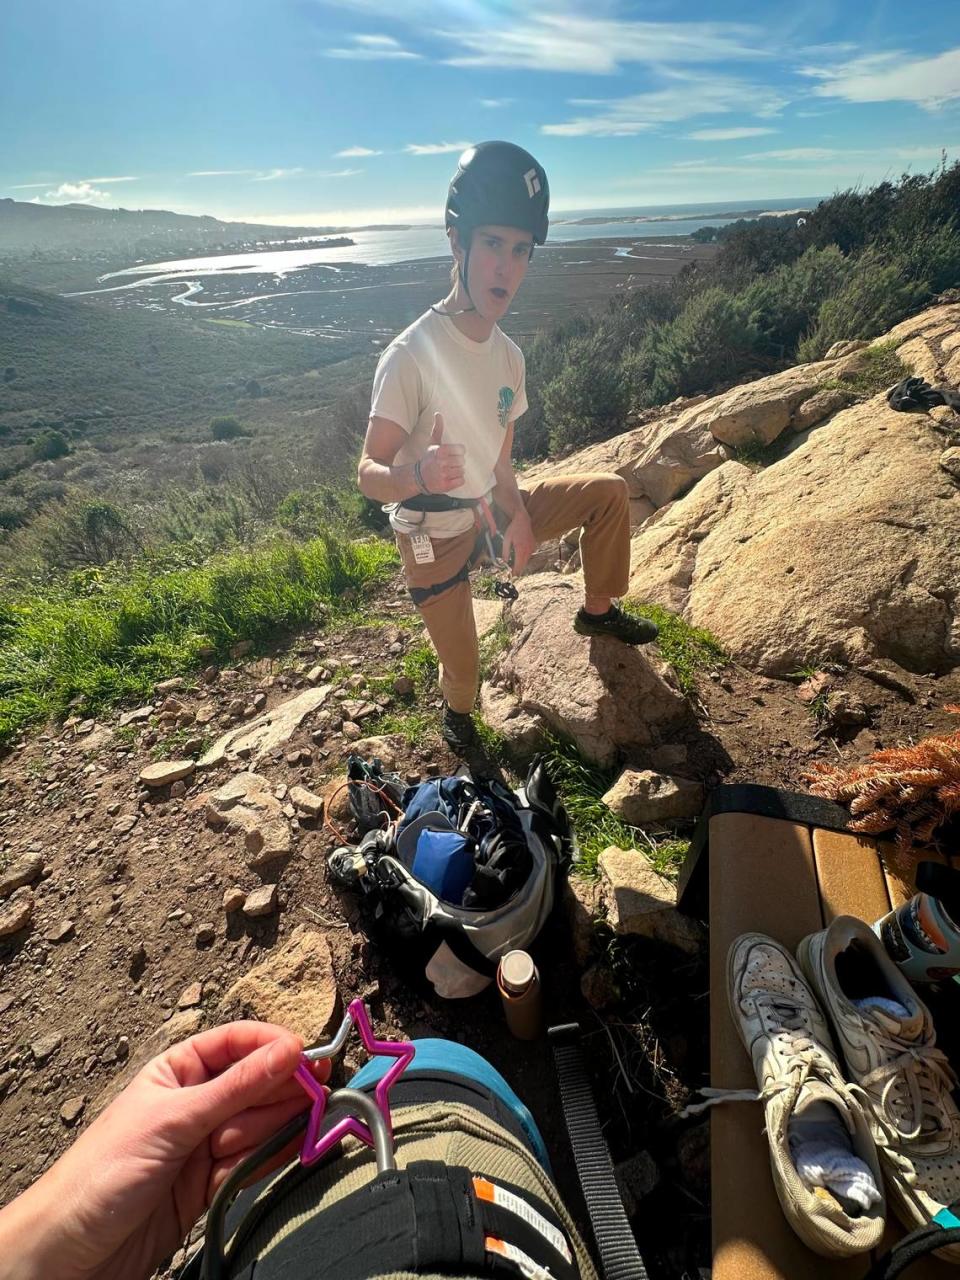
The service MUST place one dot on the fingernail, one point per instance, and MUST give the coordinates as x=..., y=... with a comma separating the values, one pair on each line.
x=280, y=1058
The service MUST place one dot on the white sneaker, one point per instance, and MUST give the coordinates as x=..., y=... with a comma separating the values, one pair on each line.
x=788, y=1040
x=888, y=1043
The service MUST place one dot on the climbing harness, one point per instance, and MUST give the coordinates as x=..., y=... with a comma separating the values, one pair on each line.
x=487, y=550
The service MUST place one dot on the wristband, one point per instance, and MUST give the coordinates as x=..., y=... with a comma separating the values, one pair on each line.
x=418, y=477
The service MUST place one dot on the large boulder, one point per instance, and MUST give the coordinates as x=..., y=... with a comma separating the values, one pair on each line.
x=757, y=412
x=847, y=549
x=295, y=987
x=606, y=696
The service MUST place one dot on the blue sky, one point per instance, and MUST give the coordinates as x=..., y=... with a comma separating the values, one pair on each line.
x=348, y=111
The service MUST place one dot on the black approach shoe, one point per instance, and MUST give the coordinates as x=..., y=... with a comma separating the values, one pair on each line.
x=459, y=731
x=617, y=624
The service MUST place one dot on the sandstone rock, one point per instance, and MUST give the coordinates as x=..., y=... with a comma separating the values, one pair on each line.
x=61, y=931
x=25, y=870
x=304, y=801
x=669, y=756
x=169, y=686
x=636, y=1178
x=137, y=716
x=357, y=682
x=403, y=686
x=583, y=908
x=384, y=747
x=295, y=987
x=46, y=1046
x=205, y=935
x=778, y=577
x=233, y=899
x=604, y=695
x=357, y=709
x=843, y=710
x=72, y=1110
x=124, y=824
x=164, y=772
x=812, y=688
x=269, y=731
x=505, y=715
x=949, y=461
x=315, y=675
x=266, y=842
x=206, y=712
x=17, y=913
x=846, y=348
x=178, y=789
x=191, y=996
x=246, y=805
x=352, y=732
x=262, y=902
x=819, y=407
x=640, y=796
x=640, y=902
x=757, y=412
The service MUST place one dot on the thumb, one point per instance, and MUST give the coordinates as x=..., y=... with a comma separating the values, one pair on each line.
x=248, y=1082
x=437, y=435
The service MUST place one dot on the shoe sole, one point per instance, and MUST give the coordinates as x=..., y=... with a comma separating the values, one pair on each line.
x=910, y=1212
x=796, y=1219
x=609, y=635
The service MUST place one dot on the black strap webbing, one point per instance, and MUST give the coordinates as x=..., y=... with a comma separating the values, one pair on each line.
x=437, y=502
x=619, y=1257
x=419, y=595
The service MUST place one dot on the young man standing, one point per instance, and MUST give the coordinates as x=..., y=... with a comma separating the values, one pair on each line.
x=446, y=395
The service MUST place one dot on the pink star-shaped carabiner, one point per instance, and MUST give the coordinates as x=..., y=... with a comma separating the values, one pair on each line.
x=315, y=1146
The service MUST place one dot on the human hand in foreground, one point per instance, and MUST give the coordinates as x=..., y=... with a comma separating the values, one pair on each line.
x=442, y=465
x=518, y=538
x=125, y=1195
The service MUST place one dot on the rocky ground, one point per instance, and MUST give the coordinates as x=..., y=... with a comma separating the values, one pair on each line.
x=148, y=911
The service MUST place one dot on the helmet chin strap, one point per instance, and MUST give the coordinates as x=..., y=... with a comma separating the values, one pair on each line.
x=462, y=274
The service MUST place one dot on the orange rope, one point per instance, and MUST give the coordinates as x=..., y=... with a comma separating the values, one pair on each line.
x=388, y=801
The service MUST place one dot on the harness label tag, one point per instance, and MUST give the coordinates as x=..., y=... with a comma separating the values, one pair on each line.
x=493, y=1194
x=422, y=548
x=522, y=1261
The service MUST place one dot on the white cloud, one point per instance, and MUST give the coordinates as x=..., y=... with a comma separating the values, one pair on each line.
x=435, y=148
x=801, y=153
x=494, y=103
x=220, y=173
x=105, y=181
x=356, y=153
x=371, y=48
x=687, y=96
x=597, y=46
x=725, y=135
x=337, y=173
x=28, y=186
x=892, y=77
x=77, y=193
x=271, y=175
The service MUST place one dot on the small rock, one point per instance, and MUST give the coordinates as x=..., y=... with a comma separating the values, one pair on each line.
x=124, y=825
x=138, y=961
x=46, y=1047
x=60, y=931
x=640, y=796
x=178, y=789
x=352, y=732
x=670, y=756
x=843, y=710
x=403, y=686
x=315, y=675
x=206, y=934
x=641, y=902
x=210, y=674
x=205, y=713
x=357, y=682
x=241, y=648
x=259, y=701
x=262, y=902
x=191, y=996
x=18, y=912
x=233, y=899
x=950, y=462
x=304, y=801
x=813, y=687
x=26, y=869
x=293, y=757
x=599, y=987
x=169, y=686
x=136, y=716
x=72, y=1110
x=636, y=1178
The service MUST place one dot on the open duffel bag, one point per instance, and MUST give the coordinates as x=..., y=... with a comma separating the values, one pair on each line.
x=469, y=872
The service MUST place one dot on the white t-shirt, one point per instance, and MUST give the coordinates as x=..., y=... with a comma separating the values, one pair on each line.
x=478, y=387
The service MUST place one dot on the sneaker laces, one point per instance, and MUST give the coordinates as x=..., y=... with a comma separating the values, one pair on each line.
x=913, y=1082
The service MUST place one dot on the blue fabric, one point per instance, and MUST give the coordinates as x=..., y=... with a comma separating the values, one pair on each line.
x=457, y=1059
x=444, y=863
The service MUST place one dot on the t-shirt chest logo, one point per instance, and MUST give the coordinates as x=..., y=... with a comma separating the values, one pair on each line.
x=505, y=400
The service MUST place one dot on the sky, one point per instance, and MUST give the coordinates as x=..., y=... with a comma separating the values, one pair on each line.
x=344, y=112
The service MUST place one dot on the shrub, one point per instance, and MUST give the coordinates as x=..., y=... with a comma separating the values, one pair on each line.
x=76, y=532
x=709, y=342
x=784, y=304
x=49, y=445
x=225, y=429
x=874, y=297
x=589, y=398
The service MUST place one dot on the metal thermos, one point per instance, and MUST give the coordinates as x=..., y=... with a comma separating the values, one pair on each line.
x=519, y=985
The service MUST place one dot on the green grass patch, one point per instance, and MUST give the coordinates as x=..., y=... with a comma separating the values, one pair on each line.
x=411, y=714
x=882, y=368
x=686, y=649
x=581, y=786
x=103, y=636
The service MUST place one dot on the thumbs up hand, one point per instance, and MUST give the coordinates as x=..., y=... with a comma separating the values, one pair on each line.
x=442, y=466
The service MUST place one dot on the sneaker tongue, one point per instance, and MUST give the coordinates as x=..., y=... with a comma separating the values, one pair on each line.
x=817, y=1101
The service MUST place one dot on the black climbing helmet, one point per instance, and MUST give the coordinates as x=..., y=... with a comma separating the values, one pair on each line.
x=498, y=184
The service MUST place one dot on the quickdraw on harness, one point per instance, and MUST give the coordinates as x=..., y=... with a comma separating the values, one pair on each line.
x=487, y=549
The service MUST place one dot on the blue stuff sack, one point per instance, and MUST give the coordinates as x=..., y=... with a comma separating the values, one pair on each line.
x=444, y=863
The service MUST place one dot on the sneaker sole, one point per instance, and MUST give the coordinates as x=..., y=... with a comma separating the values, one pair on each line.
x=796, y=1219
x=608, y=635
x=910, y=1212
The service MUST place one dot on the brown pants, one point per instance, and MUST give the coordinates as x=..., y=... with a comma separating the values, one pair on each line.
x=598, y=503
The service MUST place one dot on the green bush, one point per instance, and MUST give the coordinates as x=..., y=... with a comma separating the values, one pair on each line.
x=226, y=429
x=50, y=445
x=72, y=533
x=783, y=305
x=876, y=295
x=710, y=341
x=588, y=400
x=933, y=257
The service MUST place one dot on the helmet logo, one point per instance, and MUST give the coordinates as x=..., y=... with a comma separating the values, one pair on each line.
x=533, y=182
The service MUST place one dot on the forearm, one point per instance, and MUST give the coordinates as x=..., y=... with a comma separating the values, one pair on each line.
x=383, y=483
x=506, y=492
x=28, y=1235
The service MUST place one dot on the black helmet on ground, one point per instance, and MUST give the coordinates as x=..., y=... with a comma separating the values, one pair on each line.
x=498, y=184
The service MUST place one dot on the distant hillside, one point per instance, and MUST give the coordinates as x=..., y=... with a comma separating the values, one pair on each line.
x=93, y=371
x=25, y=227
